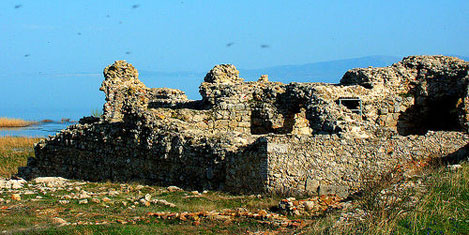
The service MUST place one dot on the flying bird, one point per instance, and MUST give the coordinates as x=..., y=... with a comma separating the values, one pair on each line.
x=128, y=52
x=26, y=55
x=135, y=6
x=229, y=44
x=265, y=46
x=79, y=33
x=18, y=6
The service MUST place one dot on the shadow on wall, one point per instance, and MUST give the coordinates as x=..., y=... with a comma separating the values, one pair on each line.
x=430, y=114
x=277, y=118
x=441, y=108
x=455, y=157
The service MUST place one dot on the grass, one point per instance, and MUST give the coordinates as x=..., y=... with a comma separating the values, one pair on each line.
x=434, y=201
x=32, y=216
x=444, y=209
x=12, y=122
x=440, y=206
x=153, y=228
x=14, y=152
x=96, y=113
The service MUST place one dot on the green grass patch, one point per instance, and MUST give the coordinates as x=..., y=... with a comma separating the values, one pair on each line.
x=445, y=208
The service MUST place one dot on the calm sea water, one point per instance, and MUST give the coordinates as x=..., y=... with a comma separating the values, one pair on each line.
x=39, y=130
x=36, y=97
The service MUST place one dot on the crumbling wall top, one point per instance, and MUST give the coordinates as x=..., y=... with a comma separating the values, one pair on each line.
x=120, y=71
x=390, y=98
x=411, y=68
x=120, y=81
x=223, y=73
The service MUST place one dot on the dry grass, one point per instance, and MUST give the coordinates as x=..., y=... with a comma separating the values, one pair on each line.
x=13, y=122
x=14, y=152
x=439, y=206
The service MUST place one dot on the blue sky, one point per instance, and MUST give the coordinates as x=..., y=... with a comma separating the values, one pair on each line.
x=49, y=48
x=84, y=36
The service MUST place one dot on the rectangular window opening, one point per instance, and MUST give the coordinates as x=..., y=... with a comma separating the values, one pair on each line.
x=354, y=104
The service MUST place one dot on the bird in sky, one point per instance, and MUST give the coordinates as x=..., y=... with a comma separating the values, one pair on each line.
x=135, y=6
x=229, y=44
x=265, y=46
x=128, y=52
x=26, y=55
x=18, y=6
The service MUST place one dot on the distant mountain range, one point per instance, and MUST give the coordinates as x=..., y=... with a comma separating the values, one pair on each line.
x=329, y=72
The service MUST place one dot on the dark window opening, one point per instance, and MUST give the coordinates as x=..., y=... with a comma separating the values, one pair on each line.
x=265, y=120
x=442, y=115
x=433, y=114
x=354, y=104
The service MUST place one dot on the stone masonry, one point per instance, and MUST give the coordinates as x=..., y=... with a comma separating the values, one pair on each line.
x=263, y=136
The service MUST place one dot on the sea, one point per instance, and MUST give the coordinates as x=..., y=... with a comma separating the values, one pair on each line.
x=58, y=97
x=38, y=130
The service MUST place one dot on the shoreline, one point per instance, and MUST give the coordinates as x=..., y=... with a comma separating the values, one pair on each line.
x=15, y=123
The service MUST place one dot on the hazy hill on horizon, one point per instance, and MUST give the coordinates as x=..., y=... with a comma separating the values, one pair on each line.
x=326, y=71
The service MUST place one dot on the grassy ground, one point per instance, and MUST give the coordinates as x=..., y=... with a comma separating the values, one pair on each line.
x=14, y=152
x=444, y=209
x=12, y=122
x=435, y=200
x=123, y=213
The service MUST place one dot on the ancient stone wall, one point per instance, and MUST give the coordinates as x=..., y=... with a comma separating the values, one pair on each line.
x=265, y=136
x=324, y=163
x=421, y=93
x=117, y=152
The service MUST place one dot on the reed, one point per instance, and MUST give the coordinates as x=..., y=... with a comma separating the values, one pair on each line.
x=14, y=152
x=13, y=122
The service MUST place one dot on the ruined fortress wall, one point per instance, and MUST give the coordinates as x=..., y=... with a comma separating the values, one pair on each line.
x=274, y=163
x=100, y=152
x=323, y=163
x=247, y=169
x=266, y=136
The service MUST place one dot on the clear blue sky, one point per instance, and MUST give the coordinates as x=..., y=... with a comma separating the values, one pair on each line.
x=84, y=36
x=52, y=52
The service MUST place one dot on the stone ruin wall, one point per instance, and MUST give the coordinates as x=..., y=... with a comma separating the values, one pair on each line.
x=338, y=165
x=265, y=136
